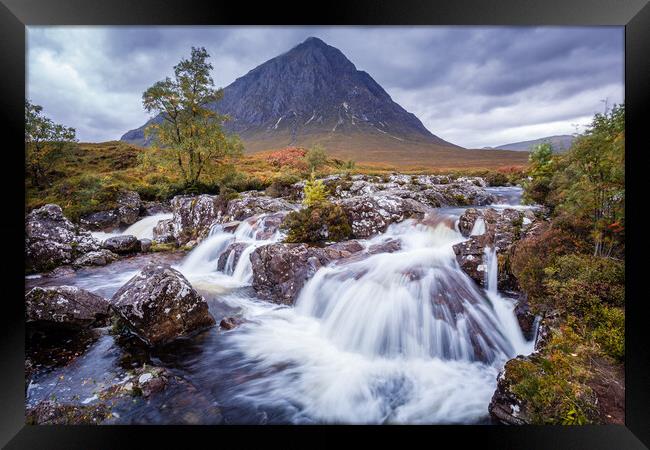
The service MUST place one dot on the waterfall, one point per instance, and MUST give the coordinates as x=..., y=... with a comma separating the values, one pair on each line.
x=503, y=308
x=142, y=229
x=386, y=338
x=414, y=303
x=491, y=263
x=201, y=264
x=479, y=227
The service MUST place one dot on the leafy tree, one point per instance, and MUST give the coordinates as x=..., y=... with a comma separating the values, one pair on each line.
x=316, y=157
x=593, y=184
x=541, y=168
x=45, y=143
x=191, y=131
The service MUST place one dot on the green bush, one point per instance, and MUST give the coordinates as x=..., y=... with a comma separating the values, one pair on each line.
x=608, y=325
x=324, y=221
x=315, y=157
x=576, y=283
x=315, y=192
x=281, y=185
x=531, y=256
x=497, y=179
x=553, y=384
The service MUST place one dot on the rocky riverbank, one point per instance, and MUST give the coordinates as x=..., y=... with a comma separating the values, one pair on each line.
x=159, y=305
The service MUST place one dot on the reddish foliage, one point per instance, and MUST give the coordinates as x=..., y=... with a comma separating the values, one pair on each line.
x=290, y=156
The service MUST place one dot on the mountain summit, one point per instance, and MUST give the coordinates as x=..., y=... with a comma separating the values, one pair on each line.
x=314, y=94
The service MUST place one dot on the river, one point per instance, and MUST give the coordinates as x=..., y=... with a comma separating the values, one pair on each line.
x=402, y=337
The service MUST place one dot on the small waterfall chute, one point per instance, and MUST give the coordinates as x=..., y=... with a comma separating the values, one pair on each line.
x=142, y=229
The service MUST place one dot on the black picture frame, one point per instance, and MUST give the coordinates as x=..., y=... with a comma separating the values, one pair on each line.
x=15, y=15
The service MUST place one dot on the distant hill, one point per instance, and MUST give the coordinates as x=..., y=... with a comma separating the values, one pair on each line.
x=313, y=94
x=560, y=143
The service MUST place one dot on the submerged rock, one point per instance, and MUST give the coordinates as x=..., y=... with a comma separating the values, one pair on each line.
x=122, y=245
x=228, y=323
x=159, y=305
x=52, y=240
x=51, y=412
x=66, y=307
x=281, y=270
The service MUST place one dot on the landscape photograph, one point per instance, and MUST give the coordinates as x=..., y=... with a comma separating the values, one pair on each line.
x=341, y=225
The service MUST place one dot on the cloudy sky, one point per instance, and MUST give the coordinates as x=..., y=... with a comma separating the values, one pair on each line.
x=471, y=86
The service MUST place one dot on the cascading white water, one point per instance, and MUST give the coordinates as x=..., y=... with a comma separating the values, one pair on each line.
x=503, y=308
x=142, y=229
x=394, y=337
x=201, y=266
x=479, y=227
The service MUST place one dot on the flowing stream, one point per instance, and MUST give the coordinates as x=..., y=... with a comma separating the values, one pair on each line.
x=142, y=229
x=401, y=337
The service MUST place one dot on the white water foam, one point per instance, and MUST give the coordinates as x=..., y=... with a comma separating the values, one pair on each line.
x=142, y=229
x=403, y=337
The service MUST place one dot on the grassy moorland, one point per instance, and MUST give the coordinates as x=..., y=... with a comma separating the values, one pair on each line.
x=87, y=177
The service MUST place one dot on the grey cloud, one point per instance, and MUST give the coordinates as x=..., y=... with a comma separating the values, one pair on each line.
x=460, y=81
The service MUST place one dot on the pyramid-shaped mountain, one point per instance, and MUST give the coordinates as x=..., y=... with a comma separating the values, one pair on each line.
x=314, y=94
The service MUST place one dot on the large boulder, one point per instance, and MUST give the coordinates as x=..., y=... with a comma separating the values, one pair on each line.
x=372, y=214
x=127, y=212
x=66, y=307
x=281, y=270
x=122, y=245
x=251, y=204
x=52, y=240
x=193, y=217
x=101, y=220
x=128, y=207
x=163, y=231
x=159, y=305
x=95, y=258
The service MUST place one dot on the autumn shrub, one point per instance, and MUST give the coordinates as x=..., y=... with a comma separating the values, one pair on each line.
x=315, y=158
x=281, y=185
x=531, y=256
x=497, y=179
x=321, y=222
x=293, y=157
x=575, y=283
x=553, y=384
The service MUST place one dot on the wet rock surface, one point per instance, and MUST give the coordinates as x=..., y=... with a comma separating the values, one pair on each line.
x=370, y=215
x=159, y=305
x=501, y=229
x=65, y=307
x=230, y=257
x=95, y=258
x=122, y=245
x=52, y=240
x=281, y=270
